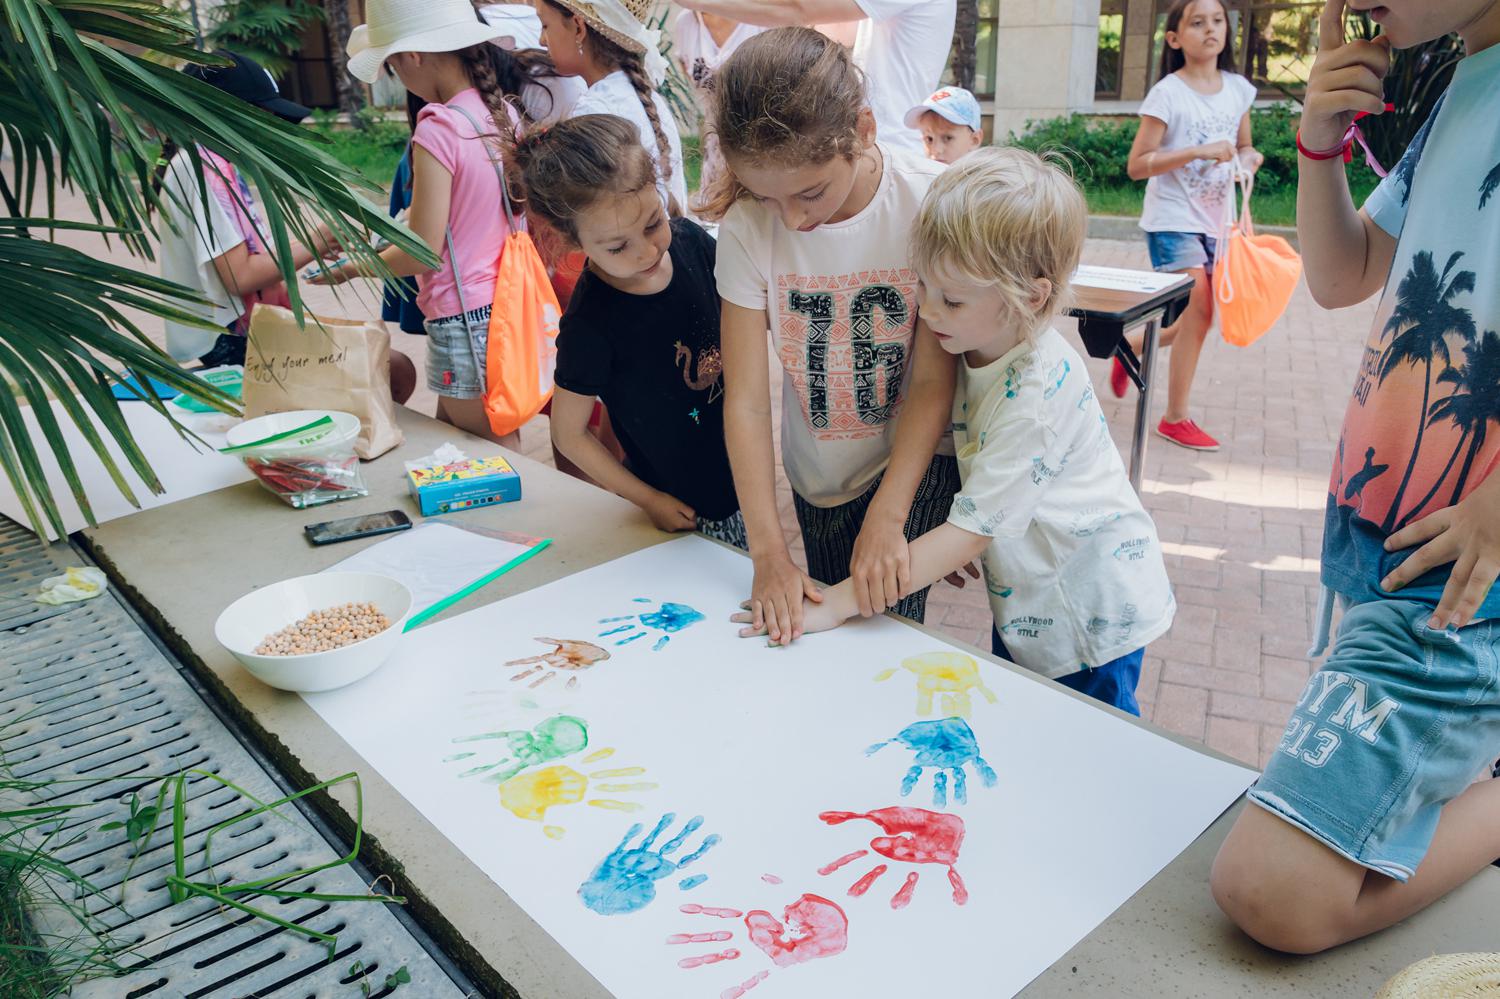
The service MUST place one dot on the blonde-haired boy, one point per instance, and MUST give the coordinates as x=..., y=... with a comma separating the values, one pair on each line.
x=1071, y=559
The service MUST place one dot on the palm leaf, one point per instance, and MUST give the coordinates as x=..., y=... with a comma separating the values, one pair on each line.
x=87, y=100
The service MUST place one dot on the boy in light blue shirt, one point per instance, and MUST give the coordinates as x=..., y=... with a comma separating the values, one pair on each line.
x=1368, y=810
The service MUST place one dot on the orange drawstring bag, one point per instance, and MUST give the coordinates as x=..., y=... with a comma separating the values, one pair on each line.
x=1254, y=275
x=521, y=354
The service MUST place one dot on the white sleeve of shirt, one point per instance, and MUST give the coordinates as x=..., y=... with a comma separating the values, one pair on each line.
x=1247, y=90
x=738, y=268
x=202, y=222
x=1008, y=478
x=1158, y=103
x=884, y=10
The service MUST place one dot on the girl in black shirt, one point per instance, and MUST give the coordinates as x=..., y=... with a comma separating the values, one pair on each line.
x=642, y=329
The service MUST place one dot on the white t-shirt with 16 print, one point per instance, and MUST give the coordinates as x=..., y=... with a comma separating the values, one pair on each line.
x=1193, y=197
x=902, y=46
x=842, y=306
x=1074, y=568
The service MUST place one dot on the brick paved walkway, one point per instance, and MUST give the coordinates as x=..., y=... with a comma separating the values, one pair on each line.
x=1241, y=528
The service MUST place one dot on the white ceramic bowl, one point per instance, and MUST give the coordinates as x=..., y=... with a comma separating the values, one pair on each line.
x=245, y=623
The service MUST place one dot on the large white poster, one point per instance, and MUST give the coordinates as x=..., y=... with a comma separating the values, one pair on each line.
x=870, y=812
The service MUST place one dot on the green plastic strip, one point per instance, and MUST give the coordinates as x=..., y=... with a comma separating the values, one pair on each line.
x=483, y=581
x=319, y=424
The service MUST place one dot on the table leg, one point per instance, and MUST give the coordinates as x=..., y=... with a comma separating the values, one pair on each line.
x=1143, y=403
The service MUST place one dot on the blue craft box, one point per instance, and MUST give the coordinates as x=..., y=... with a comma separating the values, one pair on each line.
x=463, y=485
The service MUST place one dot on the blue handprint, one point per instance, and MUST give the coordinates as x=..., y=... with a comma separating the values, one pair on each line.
x=669, y=618
x=947, y=744
x=625, y=881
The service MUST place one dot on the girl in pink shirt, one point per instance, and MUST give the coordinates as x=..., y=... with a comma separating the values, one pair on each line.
x=456, y=190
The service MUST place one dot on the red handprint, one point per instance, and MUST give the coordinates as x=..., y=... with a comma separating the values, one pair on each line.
x=917, y=837
x=809, y=929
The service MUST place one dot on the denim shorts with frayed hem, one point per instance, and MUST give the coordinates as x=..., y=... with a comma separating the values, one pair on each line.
x=1181, y=251
x=455, y=354
x=1398, y=722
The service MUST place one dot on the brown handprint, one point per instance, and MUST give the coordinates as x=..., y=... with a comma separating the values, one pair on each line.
x=570, y=654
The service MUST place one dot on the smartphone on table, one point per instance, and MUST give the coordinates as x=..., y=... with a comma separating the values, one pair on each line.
x=331, y=531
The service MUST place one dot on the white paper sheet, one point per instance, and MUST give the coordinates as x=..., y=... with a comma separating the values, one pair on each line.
x=433, y=560
x=1085, y=807
x=1119, y=279
x=185, y=468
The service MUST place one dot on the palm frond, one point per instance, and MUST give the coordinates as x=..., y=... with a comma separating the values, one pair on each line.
x=87, y=101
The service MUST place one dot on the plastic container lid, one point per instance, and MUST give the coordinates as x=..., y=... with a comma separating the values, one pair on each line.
x=343, y=429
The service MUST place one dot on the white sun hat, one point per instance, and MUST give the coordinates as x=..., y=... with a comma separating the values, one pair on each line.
x=393, y=26
x=518, y=22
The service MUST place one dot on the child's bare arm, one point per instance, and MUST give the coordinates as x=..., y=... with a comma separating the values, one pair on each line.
x=779, y=587
x=943, y=550
x=879, y=568
x=427, y=218
x=1347, y=256
x=570, y=433
x=1250, y=157
x=1147, y=158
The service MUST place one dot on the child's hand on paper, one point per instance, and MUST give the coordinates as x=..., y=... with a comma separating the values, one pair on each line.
x=815, y=617
x=1347, y=77
x=669, y=513
x=1466, y=535
x=777, y=595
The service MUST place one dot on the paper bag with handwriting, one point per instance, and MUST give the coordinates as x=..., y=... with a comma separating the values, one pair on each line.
x=341, y=364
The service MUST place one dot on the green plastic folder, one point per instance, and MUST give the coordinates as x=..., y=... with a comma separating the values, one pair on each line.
x=425, y=615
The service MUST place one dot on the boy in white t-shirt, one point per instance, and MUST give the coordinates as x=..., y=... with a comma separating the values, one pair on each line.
x=1071, y=559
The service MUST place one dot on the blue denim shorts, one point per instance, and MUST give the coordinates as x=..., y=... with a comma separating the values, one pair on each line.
x=455, y=354
x=1180, y=251
x=1398, y=722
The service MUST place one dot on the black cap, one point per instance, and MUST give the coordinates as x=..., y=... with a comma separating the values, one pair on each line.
x=249, y=81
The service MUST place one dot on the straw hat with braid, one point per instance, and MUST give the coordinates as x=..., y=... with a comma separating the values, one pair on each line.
x=623, y=22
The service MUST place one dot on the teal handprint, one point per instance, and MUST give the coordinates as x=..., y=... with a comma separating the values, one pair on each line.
x=625, y=880
x=947, y=745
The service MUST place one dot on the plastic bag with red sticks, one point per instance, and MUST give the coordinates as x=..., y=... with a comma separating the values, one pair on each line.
x=304, y=457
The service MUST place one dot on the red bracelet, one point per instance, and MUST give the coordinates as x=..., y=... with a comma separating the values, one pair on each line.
x=1342, y=149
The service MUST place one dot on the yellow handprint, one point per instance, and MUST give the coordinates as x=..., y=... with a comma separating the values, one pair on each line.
x=951, y=674
x=529, y=795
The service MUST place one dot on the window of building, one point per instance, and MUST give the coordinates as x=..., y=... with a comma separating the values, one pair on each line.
x=1107, y=61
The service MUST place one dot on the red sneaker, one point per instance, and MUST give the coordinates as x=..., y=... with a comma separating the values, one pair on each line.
x=1187, y=434
x=1119, y=379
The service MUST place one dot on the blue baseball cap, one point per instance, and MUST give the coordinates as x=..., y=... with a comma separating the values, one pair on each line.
x=954, y=103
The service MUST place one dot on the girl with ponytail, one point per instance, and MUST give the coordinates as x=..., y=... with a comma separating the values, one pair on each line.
x=440, y=50
x=608, y=44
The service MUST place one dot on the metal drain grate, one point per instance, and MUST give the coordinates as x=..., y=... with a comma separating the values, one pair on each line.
x=87, y=698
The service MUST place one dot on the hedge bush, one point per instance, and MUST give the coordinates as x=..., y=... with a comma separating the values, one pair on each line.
x=1097, y=149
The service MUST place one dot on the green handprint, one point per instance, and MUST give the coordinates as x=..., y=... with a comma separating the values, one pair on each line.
x=562, y=735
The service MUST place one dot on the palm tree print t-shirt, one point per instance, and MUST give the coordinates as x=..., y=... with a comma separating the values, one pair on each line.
x=1423, y=426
